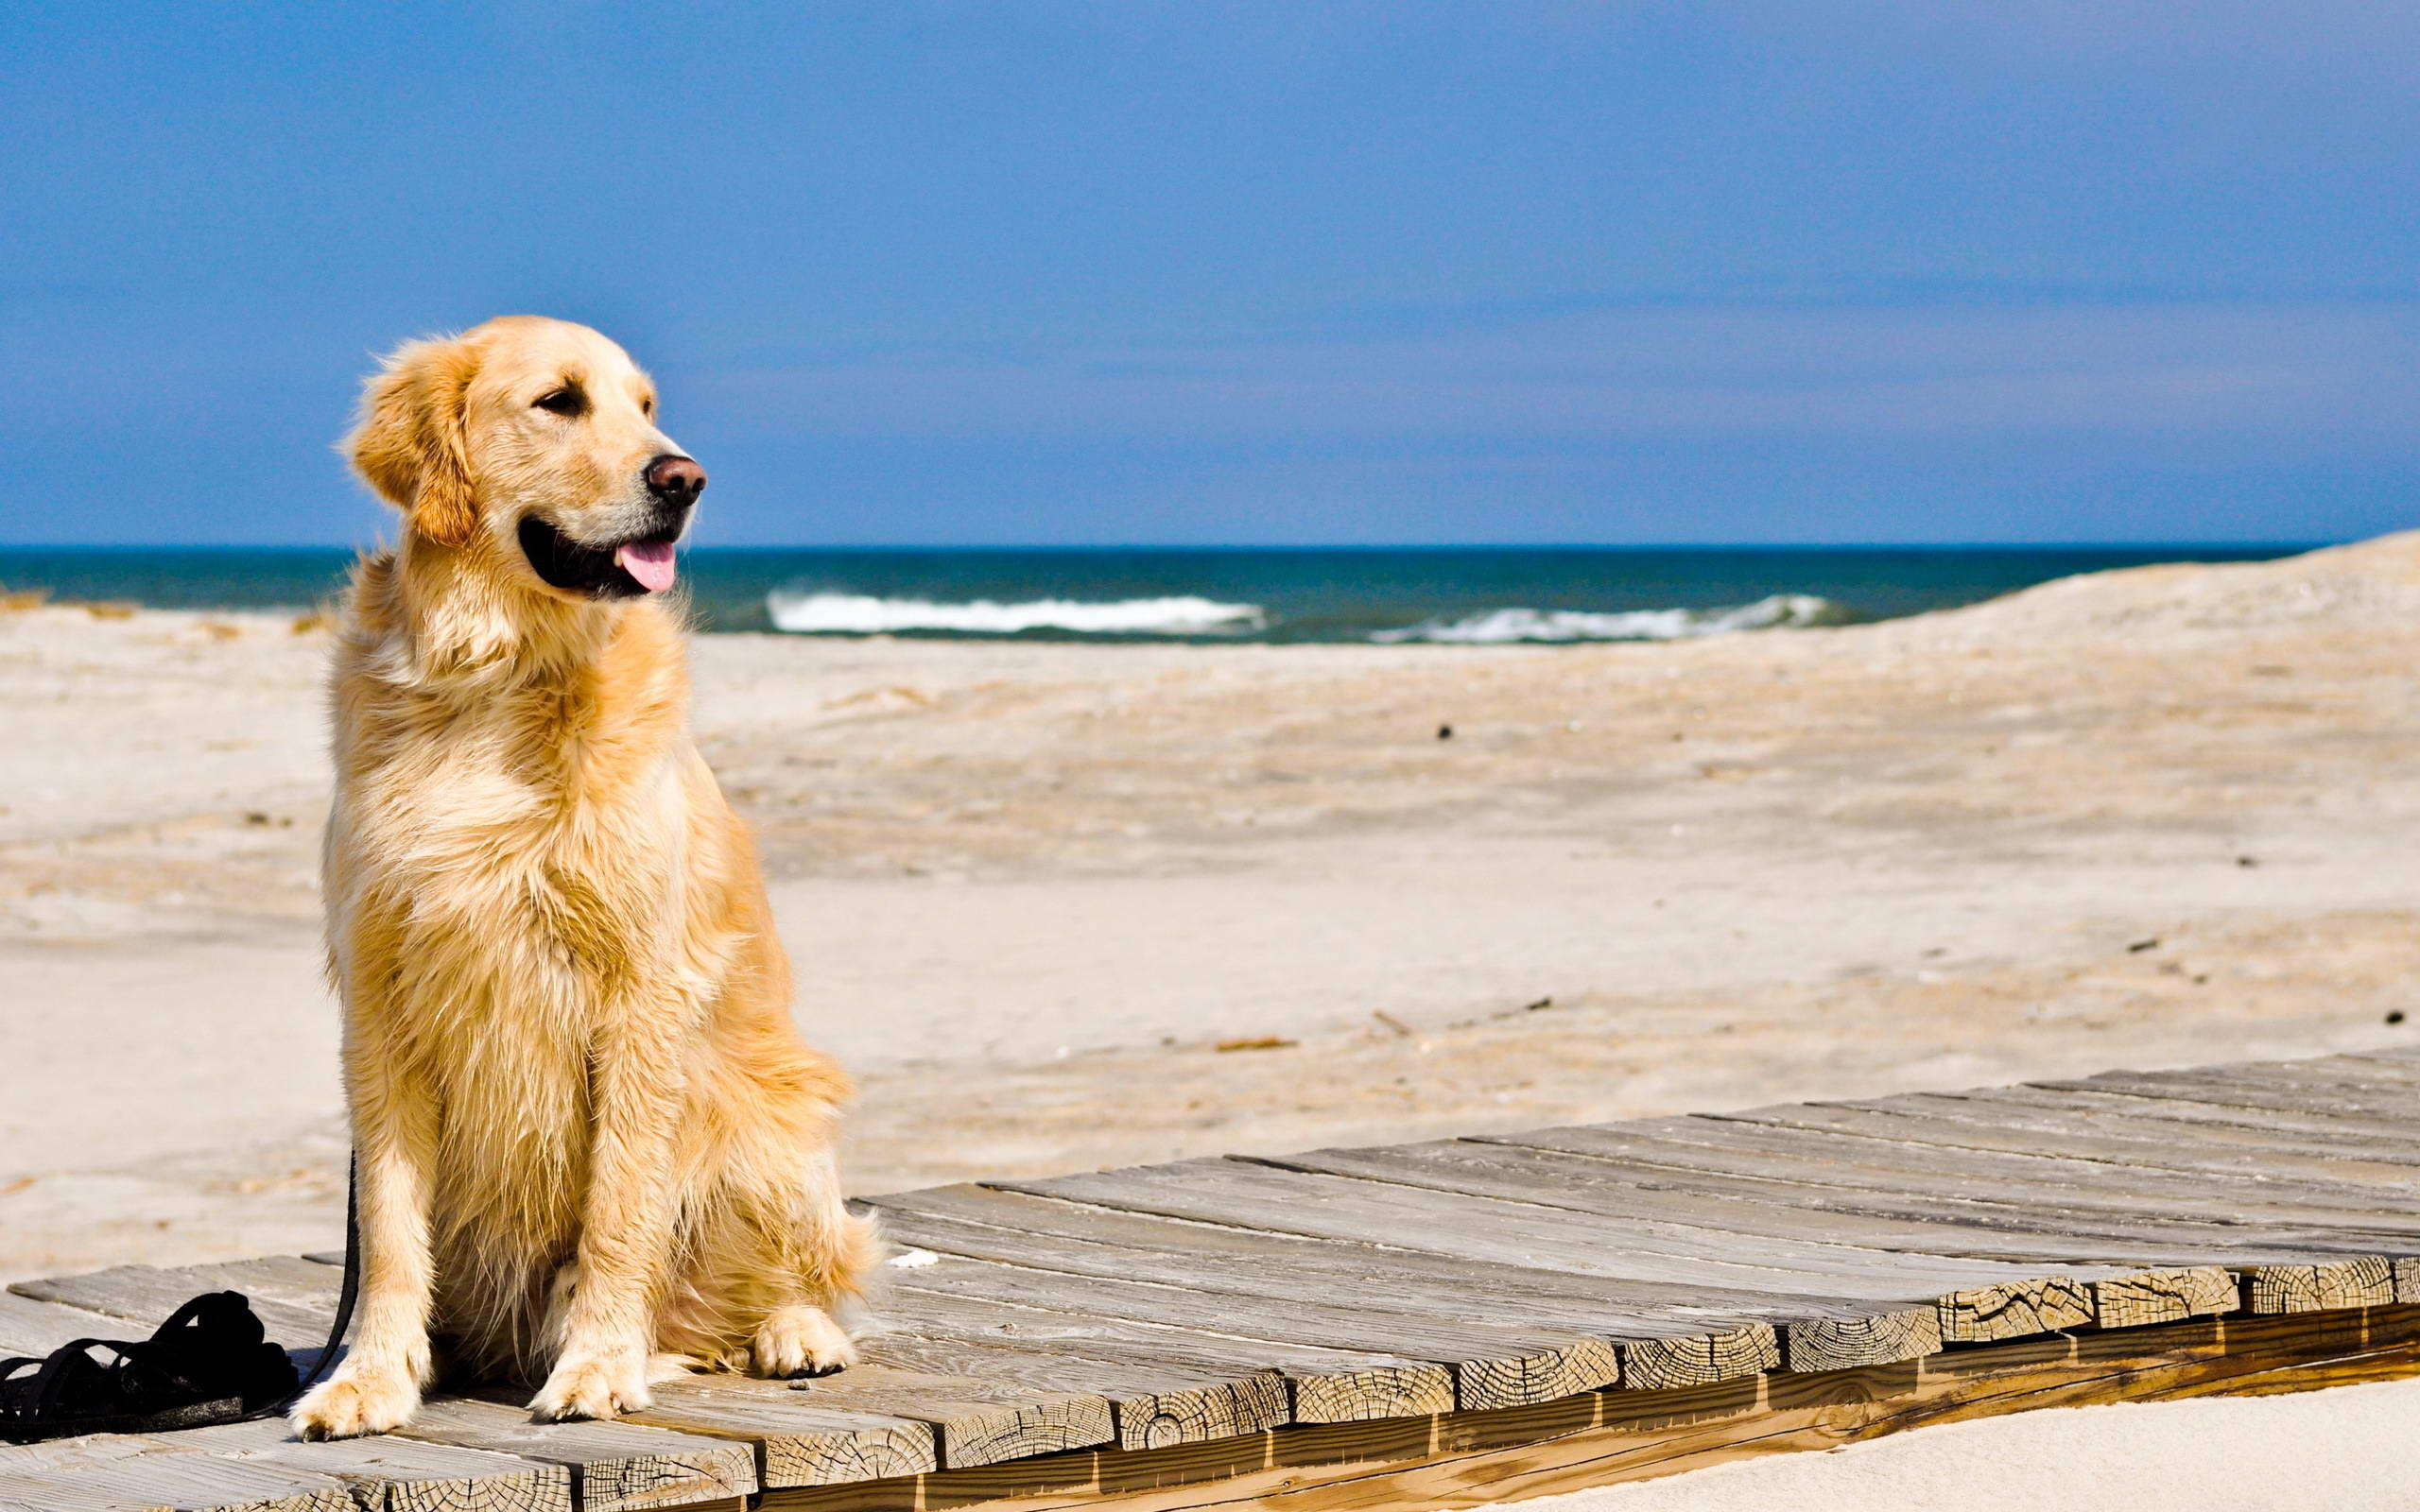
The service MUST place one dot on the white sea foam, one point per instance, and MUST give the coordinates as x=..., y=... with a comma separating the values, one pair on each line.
x=1505, y=626
x=862, y=615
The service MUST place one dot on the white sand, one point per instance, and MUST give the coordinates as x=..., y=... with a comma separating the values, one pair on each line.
x=2324, y=1451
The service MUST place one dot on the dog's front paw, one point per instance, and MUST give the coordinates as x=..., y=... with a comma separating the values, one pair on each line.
x=800, y=1341
x=357, y=1399
x=597, y=1383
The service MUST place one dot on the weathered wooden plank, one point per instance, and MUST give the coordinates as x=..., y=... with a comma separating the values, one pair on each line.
x=1664, y=1364
x=2022, y=1179
x=1681, y=1332
x=2401, y=1063
x=126, y=1473
x=645, y=1460
x=978, y=1421
x=1840, y=1345
x=2351, y=1112
x=31, y=1327
x=2407, y=1280
x=616, y=1467
x=398, y=1474
x=1494, y=1230
x=2386, y=1077
x=1048, y=1234
x=1496, y=1365
x=1974, y=1315
x=1322, y=1379
x=2076, y=1157
x=2369, y=1138
x=394, y=1475
x=2013, y=1310
x=2366, y=1281
x=1920, y=1120
x=783, y=1442
x=149, y=1294
x=697, y=1443
x=1155, y=1403
x=2384, y=1080
x=1810, y=1241
x=2148, y=1298
x=1470, y=1460
x=2102, y=1233
x=2001, y=1309
x=2151, y=1142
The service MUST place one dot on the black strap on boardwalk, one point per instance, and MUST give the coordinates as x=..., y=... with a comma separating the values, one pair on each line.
x=211, y=1362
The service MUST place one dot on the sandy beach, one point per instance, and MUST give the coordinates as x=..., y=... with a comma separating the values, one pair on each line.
x=1063, y=906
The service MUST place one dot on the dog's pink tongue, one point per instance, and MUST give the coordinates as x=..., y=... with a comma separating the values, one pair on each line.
x=649, y=561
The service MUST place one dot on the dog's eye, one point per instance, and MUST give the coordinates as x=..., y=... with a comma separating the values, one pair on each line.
x=567, y=400
x=647, y=407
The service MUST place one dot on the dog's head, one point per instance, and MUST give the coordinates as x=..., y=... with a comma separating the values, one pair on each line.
x=532, y=442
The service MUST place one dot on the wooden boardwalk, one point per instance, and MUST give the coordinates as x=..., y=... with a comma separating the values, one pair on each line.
x=1446, y=1323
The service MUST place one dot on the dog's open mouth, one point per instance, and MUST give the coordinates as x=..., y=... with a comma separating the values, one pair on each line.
x=624, y=571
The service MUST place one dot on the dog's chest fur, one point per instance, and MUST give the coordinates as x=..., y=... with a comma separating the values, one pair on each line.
x=511, y=842
x=507, y=864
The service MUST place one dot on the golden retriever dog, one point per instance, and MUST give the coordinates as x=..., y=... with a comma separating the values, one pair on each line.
x=590, y=1148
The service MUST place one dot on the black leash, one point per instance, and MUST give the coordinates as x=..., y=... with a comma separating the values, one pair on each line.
x=209, y=1364
x=346, y=1294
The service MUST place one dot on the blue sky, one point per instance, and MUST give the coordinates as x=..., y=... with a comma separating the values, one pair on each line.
x=1201, y=272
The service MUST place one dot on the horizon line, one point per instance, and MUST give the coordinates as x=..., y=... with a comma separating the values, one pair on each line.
x=2248, y=542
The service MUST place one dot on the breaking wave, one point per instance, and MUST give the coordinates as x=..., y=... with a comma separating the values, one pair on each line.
x=1506, y=626
x=861, y=614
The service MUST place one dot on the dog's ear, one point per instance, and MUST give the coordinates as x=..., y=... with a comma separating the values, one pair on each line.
x=409, y=442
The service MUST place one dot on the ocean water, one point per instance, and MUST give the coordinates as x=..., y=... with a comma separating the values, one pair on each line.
x=1450, y=595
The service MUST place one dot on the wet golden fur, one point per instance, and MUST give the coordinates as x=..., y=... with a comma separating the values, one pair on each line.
x=588, y=1138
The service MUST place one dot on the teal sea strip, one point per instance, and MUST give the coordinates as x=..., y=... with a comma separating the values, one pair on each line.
x=1448, y=596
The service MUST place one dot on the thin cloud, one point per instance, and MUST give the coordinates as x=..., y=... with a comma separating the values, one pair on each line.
x=2297, y=377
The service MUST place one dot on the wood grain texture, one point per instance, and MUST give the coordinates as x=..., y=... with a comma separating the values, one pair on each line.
x=1156, y=1403
x=787, y=1443
x=1493, y=1228
x=612, y=1465
x=1485, y=1363
x=122, y=1473
x=1479, y=1459
x=1443, y=1322
x=978, y=1420
x=2015, y=1309
x=1701, y=1360
x=1322, y=1385
x=2017, y=1113
x=147, y=1294
x=2366, y=1281
x=2031, y=1226
x=2407, y=1279
x=31, y=1327
x=1843, y=1343
x=2146, y=1297
x=1041, y=1233
x=393, y=1474
x=1954, y=1123
x=2375, y=1139
x=616, y=1467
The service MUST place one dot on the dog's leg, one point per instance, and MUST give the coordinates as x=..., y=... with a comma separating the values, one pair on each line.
x=626, y=1233
x=799, y=1340
x=394, y=1122
x=821, y=1261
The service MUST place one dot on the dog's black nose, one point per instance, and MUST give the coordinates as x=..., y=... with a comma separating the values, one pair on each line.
x=675, y=479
